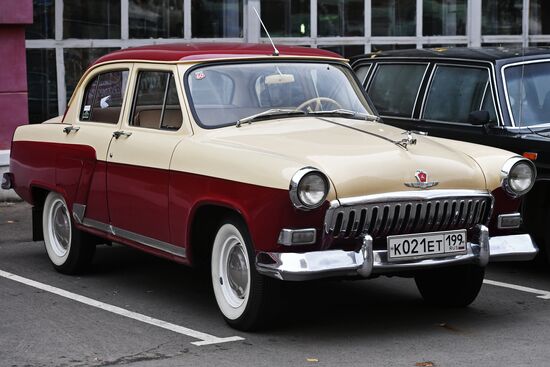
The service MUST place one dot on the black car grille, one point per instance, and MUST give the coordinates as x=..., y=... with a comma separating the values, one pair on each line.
x=407, y=215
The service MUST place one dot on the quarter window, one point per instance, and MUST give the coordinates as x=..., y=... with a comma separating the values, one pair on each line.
x=156, y=104
x=395, y=87
x=103, y=97
x=362, y=72
x=455, y=92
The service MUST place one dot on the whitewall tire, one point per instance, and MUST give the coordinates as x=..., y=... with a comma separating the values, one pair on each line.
x=69, y=250
x=241, y=292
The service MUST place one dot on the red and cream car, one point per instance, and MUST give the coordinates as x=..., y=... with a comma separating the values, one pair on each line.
x=265, y=166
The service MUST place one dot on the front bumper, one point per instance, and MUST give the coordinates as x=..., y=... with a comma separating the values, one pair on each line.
x=368, y=262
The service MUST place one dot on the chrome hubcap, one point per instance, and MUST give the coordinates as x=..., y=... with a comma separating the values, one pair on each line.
x=61, y=228
x=237, y=271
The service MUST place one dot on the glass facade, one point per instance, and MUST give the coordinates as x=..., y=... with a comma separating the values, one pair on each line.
x=91, y=19
x=393, y=17
x=67, y=35
x=286, y=18
x=444, y=17
x=501, y=17
x=155, y=18
x=340, y=17
x=217, y=19
x=42, y=84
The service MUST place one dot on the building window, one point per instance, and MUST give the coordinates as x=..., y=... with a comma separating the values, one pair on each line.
x=346, y=50
x=91, y=19
x=286, y=18
x=43, y=20
x=539, y=17
x=77, y=60
x=155, y=18
x=341, y=18
x=211, y=19
x=42, y=84
x=501, y=17
x=444, y=17
x=393, y=17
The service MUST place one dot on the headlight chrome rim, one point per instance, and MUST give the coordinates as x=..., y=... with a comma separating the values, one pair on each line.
x=295, y=185
x=508, y=168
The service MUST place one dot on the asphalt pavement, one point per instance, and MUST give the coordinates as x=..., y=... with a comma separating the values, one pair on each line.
x=135, y=309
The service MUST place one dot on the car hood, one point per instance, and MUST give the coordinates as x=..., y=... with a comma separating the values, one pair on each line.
x=359, y=157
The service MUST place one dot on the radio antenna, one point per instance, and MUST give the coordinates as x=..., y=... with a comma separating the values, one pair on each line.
x=275, y=51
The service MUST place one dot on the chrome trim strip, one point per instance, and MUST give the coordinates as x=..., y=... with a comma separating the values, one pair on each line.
x=132, y=236
x=285, y=236
x=407, y=195
x=501, y=217
x=78, y=212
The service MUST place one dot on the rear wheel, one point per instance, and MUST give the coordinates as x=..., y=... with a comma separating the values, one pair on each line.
x=456, y=286
x=241, y=292
x=69, y=249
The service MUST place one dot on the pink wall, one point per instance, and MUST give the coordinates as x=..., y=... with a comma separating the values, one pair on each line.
x=13, y=69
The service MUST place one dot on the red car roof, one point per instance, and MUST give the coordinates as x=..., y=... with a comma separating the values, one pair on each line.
x=202, y=51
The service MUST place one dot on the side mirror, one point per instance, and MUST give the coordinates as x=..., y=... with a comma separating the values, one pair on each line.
x=479, y=118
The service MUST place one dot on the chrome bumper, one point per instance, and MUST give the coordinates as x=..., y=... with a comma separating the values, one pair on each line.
x=368, y=262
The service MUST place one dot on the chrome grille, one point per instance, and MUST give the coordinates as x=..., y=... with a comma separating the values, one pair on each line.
x=399, y=213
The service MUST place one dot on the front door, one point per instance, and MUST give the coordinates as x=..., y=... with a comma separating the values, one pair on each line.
x=139, y=157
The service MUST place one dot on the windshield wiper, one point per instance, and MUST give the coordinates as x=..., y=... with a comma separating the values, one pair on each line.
x=270, y=112
x=345, y=112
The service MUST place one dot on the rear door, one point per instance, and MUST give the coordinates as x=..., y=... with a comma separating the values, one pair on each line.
x=139, y=157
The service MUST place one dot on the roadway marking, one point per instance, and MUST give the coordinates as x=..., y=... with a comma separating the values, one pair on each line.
x=541, y=294
x=204, y=339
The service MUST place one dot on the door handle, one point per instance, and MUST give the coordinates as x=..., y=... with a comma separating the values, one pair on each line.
x=119, y=133
x=68, y=129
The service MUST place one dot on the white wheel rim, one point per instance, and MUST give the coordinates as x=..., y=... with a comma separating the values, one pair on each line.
x=230, y=272
x=57, y=225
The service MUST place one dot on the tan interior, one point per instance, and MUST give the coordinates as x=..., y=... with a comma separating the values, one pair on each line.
x=149, y=117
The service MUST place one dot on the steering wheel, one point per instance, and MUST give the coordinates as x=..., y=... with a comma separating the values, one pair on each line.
x=318, y=104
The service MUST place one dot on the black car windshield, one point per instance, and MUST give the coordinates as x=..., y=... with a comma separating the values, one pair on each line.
x=221, y=95
x=528, y=88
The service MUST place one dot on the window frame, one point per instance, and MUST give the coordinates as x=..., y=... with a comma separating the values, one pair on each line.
x=153, y=67
x=398, y=62
x=506, y=96
x=490, y=83
x=80, y=92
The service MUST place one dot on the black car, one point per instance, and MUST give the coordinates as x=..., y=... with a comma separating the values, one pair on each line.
x=493, y=96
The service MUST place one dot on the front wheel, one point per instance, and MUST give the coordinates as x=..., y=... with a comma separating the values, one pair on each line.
x=69, y=249
x=241, y=292
x=456, y=286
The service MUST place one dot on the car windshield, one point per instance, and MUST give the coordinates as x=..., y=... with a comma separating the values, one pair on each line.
x=230, y=94
x=528, y=88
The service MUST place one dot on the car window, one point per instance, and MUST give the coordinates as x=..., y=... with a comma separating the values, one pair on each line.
x=362, y=72
x=489, y=106
x=156, y=104
x=528, y=87
x=394, y=88
x=221, y=95
x=103, y=97
x=455, y=92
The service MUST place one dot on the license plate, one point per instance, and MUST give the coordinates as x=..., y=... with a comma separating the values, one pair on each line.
x=426, y=245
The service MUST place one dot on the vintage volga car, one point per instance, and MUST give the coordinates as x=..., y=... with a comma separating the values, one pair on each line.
x=266, y=166
x=492, y=96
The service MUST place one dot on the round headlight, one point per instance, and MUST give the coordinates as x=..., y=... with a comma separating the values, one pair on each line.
x=518, y=176
x=308, y=188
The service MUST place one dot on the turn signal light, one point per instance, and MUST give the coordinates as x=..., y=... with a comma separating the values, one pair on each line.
x=531, y=155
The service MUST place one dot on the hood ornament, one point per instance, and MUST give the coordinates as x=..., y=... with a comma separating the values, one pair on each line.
x=409, y=140
x=421, y=181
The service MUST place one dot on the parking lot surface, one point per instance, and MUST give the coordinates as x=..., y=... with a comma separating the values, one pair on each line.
x=135, y=309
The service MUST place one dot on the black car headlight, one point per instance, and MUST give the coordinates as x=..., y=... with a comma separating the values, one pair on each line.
x=518, y=176
x=308, y=188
